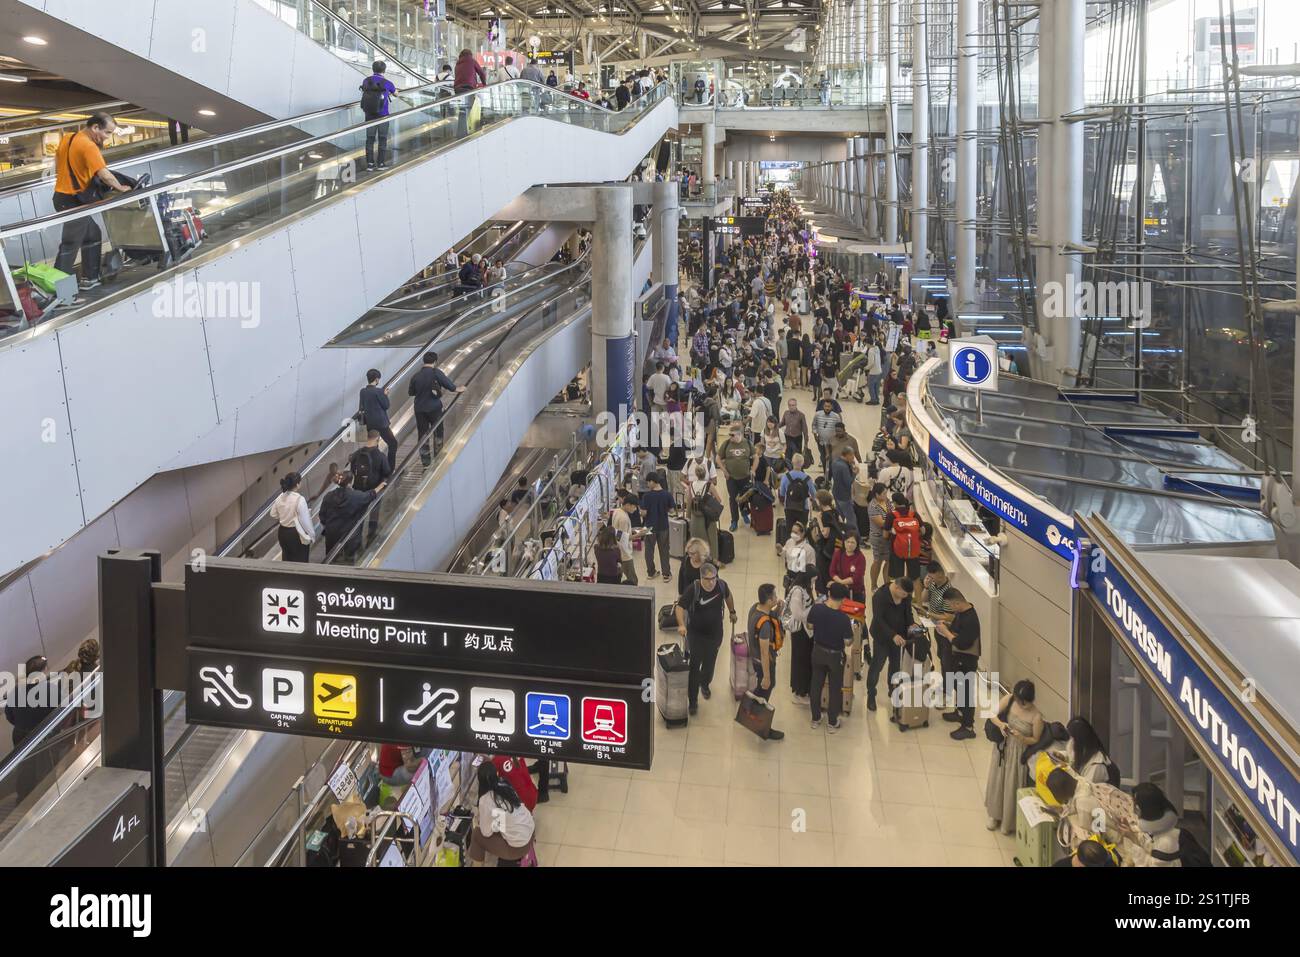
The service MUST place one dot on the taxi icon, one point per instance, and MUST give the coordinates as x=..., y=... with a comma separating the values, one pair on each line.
x=492, y=708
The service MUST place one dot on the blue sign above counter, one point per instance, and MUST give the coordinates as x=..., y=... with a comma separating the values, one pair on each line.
x=1220, y=720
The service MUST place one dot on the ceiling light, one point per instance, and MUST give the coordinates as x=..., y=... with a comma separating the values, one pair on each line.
x=12, y=78
x=36, y=41
x=207, y=112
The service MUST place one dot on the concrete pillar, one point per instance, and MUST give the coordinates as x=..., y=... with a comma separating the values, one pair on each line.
x=668, y=217
x=1067, y=190
x=1044, y=257
x=967, y=149
x=707, y=147
x=891, y=123
x=871, y=214
x=920, y=140
x=851, y=179
x=613, y=347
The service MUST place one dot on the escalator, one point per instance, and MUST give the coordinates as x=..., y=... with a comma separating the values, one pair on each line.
x=300, y=241
x=219, y=65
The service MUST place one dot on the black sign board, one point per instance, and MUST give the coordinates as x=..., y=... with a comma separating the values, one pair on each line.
x=756, y=204
x=120, y=838
x=554, y=58
x=736, y=225
x=567, y=720
x=351, y=652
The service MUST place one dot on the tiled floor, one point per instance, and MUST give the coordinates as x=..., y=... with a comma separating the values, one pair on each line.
x=867, y=795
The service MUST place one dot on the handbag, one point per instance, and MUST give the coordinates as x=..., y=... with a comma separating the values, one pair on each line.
x=755, y=714
x=710, y=506
x=992, y=731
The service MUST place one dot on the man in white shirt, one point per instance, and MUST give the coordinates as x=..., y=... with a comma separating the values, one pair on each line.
x=621, y=522
x=874, y=373
x=665, y=353
x=506, y=71
x=897, y=476
x=658, y=384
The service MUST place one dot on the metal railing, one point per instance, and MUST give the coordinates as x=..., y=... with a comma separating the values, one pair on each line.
x=276, y=184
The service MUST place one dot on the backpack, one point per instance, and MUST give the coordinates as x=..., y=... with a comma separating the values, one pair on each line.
x=907, y=535
x=1190, y=851
x=362, y=469
x=372, y=96
x=796, y=495
x=778, y=630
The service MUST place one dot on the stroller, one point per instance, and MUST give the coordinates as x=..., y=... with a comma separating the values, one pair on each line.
x=853, y=378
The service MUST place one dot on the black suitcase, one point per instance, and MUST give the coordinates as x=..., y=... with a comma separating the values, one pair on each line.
x=726, y=546
x=672, y=672
x=668, y=618
x=782, y=532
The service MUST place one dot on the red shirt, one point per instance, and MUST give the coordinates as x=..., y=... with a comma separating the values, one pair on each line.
x=853, y=567
x=390, y=759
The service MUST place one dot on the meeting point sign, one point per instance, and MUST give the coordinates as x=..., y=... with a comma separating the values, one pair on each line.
x=458, y=662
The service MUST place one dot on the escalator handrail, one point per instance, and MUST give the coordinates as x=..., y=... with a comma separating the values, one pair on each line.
x=423, y=287
x=387, y=55
x=416, y=359
x=13, y=230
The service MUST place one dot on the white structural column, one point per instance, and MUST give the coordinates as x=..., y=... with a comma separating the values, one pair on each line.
x=871, y=212
x=920, y=140
x=1067, y=188
x=1044, y=257
x=707, y=158
x=967, y=148
x=668, y=218
x=613, y=348
x=891, y=122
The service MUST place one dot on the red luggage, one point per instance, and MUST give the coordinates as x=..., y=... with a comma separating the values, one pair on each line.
x=761, y=519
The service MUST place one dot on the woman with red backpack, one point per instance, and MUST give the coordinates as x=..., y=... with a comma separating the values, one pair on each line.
x=903, y=526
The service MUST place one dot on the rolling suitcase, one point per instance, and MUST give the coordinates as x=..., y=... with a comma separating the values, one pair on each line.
x=668, y=618
x=672, y=675
x=1035, y=846
x=743, y=678
x=912, y=709
x=761, y=519
x=726, y=546
x=677, y=535
x=782, y=533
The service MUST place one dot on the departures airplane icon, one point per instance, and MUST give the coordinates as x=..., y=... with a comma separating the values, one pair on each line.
x=435, y=705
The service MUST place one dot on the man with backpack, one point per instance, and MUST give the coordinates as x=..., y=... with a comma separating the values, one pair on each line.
x=373, y=404
x=370, y=470
x=342, y=506
x=699, y=622
x=766, y=637
x=738, y=459
x=904, y=528
x=797, y=491
x=426, y=387
x=375, y=91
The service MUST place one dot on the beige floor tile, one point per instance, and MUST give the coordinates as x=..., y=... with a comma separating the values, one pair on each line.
x=955, y=792
x=755, y=774
x=711, y=769
x=852, y=851
x=553, y=819
x=573, y=856
x=811, y=812
x=645, y=833
x=696, y=862
x=959, y=856
x=708, y=739
x=626, y=859
x=806, y=849
x=857, y=782
x=966, y=828
x=752, y=845
x=666, y=767
x=897, y=757
x=598, y=793
x=904, y=787
x=651, y=797
x=755, y=808
x=908, y=854
x=590, y=828
x=941, y=760
x=913, y=824
x=856, y=818
x=701, y=802
x=698, y=839
x=802, y=778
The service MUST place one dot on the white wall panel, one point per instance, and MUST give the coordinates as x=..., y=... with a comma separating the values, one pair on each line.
x=384, y=230
x=65, y=622
x=22, y=632
x=174, y=41
x=139, y=392
x=323, y=246
x=160, y=519
x=246, y=354
x=267, y=421
x=31, y=390
x=427, y=198
x=261, y=60
x=127, y=24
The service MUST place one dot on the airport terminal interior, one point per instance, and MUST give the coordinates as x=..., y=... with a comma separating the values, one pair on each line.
x=589, y=433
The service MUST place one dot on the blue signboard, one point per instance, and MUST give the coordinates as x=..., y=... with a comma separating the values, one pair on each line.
x=1025, y=518
x=547, y=716
x=971, y=366
x=1218, y=720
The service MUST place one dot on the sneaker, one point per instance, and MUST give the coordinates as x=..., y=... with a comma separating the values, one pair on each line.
x=383, y=166
x=963, y=734
x=871, y=704
x=733, y=526
x=668, y=578
x=370, y=167
x=992, y=824
x=706, y=692
x=775, y=735
x=802, y=699
x=85, y=284
x=691, y=709
x=833, y=726
x=952, y=716
x=817, y=723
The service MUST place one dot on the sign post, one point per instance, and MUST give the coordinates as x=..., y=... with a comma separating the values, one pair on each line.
x=973, y=364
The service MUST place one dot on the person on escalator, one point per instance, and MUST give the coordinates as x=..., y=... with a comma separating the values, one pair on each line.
x=623, y=94
x=375, y=91
x=506, y=72
x=469, y=75
x=532, y=72
x=426, y=387
x=471, y=274
x=81, y=177
x=370, y=472
x=374, y=413
x=341, y=508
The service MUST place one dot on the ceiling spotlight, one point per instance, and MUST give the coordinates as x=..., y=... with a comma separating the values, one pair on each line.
x=36, y=41
x=12, y=78
x=207, y=112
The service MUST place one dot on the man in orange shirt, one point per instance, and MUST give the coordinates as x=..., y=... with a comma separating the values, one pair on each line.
x=79, y=165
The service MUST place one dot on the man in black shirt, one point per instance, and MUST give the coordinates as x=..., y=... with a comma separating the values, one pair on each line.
x=339, y=511
x=699, y=621
x=370, y=472
x=891, y=616
x=832, y=635
x=426, y=387
x=373, y=403
x=964, y=633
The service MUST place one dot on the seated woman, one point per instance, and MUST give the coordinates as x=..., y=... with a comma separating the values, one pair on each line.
x=505, y=826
